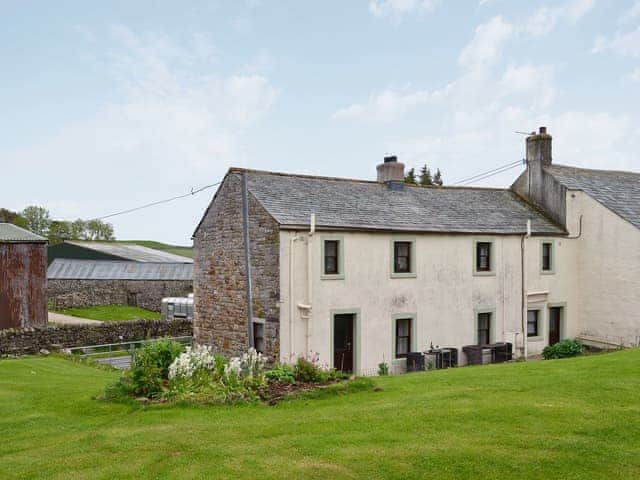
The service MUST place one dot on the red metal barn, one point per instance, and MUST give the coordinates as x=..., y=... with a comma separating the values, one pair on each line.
x=23, y=278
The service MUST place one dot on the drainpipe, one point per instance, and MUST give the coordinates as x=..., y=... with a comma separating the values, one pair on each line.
x=523, y=249
x=247, y=258
x=312, y=230
x=292, y=306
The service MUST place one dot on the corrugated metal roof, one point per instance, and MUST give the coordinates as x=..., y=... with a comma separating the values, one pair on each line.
x=291, y=199
x=65, y=268
x=618, y=191
x=10, y=233
x=128, y=251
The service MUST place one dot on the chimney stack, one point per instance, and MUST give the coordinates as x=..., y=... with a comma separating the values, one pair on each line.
x=539, y=148
x=391, y=171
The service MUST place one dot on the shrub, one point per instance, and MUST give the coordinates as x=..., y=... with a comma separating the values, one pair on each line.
x=383, y=369
x=150, y=366
x=307, y=371
x=563, y=349
x=281, y=373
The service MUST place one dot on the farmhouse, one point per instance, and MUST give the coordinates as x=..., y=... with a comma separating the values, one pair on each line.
x=83, y=274
x=362, y=272
x=23, y=278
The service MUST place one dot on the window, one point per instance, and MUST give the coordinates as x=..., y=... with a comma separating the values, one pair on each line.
x=532, y=323
x=403, y=337
x=258, y=337
x=483, y=256
x=484, y=328
x=547, y=256
x=402, y=257
x=331, y=257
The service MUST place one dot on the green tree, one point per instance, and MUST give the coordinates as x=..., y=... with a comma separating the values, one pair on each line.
x=59, y=231
x=437, y=178
x=425, y=176
x=99, y=230
x=10, y=216
x=38, y=219
x=410, y=177
x=78, y=230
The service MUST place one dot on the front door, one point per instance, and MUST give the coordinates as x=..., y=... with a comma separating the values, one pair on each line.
x=343, y=342
x=555, y=319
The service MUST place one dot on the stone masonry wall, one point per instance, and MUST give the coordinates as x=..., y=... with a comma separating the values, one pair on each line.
x=141, y=293
x=31, y=340
x=220, y=314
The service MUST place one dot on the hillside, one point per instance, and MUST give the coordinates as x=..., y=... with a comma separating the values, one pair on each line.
x=175, y=249
x=574, y=419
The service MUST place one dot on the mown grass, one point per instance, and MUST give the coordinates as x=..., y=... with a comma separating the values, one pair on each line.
x=571, y=419
x=175, y=249
x=111, y=313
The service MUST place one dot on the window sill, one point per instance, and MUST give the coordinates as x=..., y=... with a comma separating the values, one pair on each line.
x=337, y=276
x=547, y=272
x=483, y=273
x=535, y=339
x=403, y=275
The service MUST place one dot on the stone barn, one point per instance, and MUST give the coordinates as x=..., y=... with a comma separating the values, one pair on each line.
x=87, y=273
x=86, y=283
x=23, y=278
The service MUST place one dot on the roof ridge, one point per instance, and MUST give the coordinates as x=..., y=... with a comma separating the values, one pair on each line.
x=346, y=179
x=601, y=170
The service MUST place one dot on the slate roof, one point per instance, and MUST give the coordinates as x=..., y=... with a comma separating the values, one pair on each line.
x=618, y=191
x=136, y=253
x=367, y=205
x=10, y=233
x=66, y=268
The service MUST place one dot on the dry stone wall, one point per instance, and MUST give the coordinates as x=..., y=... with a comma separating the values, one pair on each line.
x=31, y=340
x=141, y=293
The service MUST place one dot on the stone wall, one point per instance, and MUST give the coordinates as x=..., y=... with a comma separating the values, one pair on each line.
x=31, y=340
x=220, y=312
x=141, y=293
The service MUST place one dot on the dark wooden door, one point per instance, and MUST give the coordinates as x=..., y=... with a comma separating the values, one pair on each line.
x=343, y=342
x=555, y=317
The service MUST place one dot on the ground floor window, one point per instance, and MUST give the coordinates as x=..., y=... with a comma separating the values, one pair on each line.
x=403, y=337
x=258, y=337
x=533, y=329
x=484, y=328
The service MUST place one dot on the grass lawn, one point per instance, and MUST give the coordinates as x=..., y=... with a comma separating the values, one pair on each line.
x=111, y=313
x=569, y=419
x=175, y=249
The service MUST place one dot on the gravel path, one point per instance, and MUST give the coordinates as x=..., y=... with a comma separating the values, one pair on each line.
x=61, y=319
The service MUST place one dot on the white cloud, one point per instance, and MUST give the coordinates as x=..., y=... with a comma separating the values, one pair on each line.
x=536, y=82
x=545, y=19
x=634, y=76
x=171, y=127
x=626, y=44
x=631, y=14
x=486, y=45
x=398, y=8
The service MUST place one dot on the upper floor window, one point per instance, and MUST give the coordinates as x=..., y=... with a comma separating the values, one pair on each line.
x=331, y=257
x=483, y=256
x=547, y=256
x=402, y=257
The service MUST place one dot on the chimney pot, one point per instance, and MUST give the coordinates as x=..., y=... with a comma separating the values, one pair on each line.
x=390, y=170
x=543, y=130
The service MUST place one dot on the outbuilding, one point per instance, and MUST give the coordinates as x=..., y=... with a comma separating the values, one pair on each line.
x=23, y=278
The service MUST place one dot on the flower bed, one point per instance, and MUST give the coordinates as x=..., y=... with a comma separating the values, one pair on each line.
x=164, y=372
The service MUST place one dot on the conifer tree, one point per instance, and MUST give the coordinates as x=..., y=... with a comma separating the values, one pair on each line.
x=410, y=177
x=425, y=176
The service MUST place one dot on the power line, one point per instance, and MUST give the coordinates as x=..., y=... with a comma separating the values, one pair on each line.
x=159, y=202
x=489, y=173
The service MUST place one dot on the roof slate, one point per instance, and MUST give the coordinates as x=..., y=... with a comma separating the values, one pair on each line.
x=65, y=268
x=136, y=253
x=366, y=205
x=10, y=233
x=618, y=191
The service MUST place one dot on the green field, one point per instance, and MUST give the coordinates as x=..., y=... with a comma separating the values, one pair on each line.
x=569, y=419
x=111, y=313
x=175, y=249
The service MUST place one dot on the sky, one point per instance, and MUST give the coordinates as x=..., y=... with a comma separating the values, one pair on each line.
x=110, y=105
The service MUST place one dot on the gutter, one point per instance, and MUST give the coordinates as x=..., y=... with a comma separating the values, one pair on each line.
x=523, y=260
x=247, y=259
